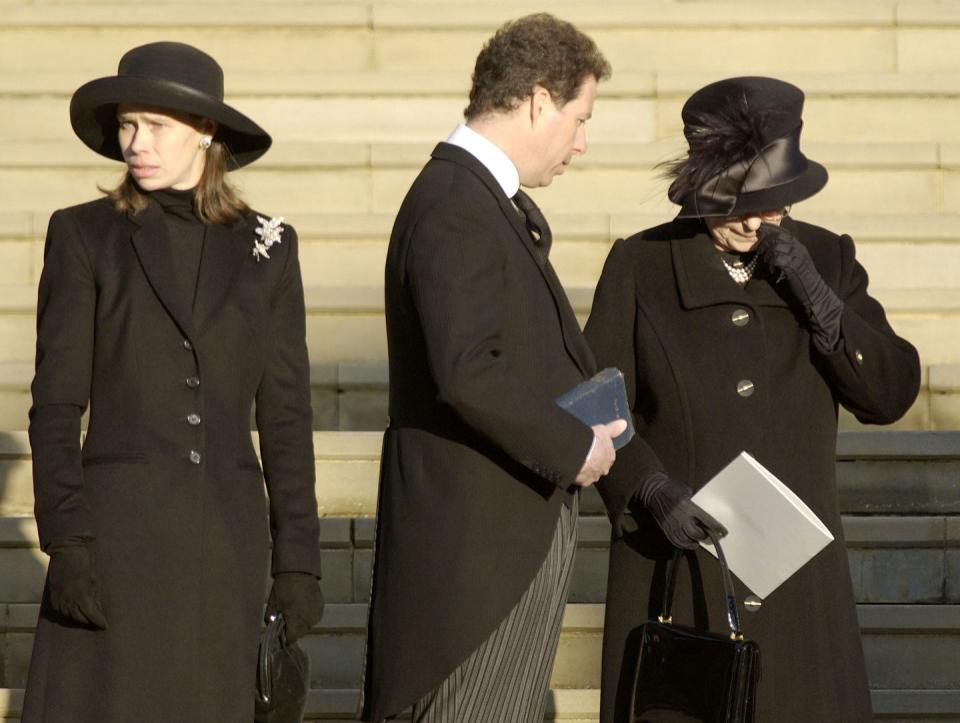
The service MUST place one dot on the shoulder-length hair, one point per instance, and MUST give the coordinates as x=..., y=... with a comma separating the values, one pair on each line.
x=215, y=199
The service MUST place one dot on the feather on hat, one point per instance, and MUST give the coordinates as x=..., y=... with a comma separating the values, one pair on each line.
x=744, y=150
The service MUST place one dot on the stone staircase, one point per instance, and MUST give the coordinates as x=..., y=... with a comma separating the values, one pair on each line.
x=357, y=92
x=899, y=492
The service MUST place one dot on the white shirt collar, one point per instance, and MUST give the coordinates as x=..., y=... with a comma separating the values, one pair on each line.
x=487, y=152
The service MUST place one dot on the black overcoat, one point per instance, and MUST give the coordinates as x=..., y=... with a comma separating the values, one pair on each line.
x=182, y=546
x=667, y=313
x=478, y=457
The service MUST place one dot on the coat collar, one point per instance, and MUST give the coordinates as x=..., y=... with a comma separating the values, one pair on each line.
x=225, y=249
x=220, y=262
x=573, y=338
x=151, y=242
x=701, y=277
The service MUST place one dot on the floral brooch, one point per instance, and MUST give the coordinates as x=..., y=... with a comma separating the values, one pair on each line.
x=269, y=232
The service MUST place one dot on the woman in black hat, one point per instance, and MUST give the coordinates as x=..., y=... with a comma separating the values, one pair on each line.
x=740, y=328
x=168, y=308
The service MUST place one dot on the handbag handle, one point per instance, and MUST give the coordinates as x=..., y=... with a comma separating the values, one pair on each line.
x=273, y=633
x=730, y=602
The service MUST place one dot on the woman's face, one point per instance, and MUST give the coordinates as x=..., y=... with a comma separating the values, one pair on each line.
x=738, y=234
x=162, y=147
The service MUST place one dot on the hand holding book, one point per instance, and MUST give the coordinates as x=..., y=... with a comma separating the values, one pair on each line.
x=602, y=453
x=600, y=403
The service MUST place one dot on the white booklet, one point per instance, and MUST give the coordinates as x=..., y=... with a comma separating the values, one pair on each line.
x=771, y=532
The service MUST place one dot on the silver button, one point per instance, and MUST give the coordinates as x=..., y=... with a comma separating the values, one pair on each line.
x=745, y=388
x=187, y=345
x=858, y=355
x=193, y=419
x=752, y=603
x=195, y=457
x=193, y=382
x=740, y=317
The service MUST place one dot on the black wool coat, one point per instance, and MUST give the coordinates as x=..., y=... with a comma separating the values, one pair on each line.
x=478, y=457
x=181, y=545
x=664, y=313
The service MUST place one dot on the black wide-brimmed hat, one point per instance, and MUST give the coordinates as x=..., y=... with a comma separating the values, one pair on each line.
x=744, y=155
x=167, y=75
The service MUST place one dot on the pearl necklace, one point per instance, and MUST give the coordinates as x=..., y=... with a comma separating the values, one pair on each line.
x=739, y=271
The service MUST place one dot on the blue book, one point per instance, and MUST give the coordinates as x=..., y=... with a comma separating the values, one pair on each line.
x=600, y=400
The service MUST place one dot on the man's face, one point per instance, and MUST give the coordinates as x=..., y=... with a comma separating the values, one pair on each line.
x=559, y=134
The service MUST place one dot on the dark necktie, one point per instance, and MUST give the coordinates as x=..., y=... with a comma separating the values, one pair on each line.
x=536, y=224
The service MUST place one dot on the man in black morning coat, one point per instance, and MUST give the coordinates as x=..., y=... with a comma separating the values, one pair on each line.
x=480, y=467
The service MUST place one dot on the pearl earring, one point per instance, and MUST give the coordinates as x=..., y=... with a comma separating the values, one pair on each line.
x=205, y=142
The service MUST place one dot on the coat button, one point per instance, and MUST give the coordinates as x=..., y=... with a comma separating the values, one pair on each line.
x=187, y=345
x=193, y=419
x=858, y=355
x=193, y=382
x=740, y=317
x=745, y=388
x=195, y=457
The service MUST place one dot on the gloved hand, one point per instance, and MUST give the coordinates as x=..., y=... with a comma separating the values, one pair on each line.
x=788, y=259
x=683, y=521
x=72, y=583
x=298, y=596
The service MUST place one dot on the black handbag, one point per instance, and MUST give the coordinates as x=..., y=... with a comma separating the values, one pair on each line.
x=283, y=676
x=691, y=675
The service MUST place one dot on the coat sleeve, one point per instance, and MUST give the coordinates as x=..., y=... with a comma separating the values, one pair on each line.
x=66, y=310
x=874, y=373
x=457, y=283
x=611, y=334
x=285, y=423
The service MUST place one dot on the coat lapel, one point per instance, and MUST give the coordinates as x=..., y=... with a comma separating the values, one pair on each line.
x=701, y=277
x=224, y=252
x=152, y=245
x=573, y=339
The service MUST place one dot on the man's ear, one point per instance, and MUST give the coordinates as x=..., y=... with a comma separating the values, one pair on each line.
x=539, y=102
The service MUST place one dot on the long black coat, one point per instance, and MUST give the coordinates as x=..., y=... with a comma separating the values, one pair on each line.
x=182, y=547
x=477, y=458
x=664, y=314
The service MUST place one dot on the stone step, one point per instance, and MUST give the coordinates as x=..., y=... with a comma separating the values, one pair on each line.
x=893, y=559
x=581, y=706
x=276, y=79
x=906, y=646
x=347, y=324
x=292, y=155
x=578, y=254
x=631, y=118
x=354, y=397
x=587, y=190
x=909, y=649
x=881, y=472
x=349, y=249
x=347, y=470
x=817, y=36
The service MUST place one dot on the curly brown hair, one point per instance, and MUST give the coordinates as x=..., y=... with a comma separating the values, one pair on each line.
x=533, y=50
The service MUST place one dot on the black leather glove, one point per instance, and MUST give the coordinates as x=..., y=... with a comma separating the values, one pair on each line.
x=298, y=596
x=788, y=259
x=72, y=583
x=683, y=522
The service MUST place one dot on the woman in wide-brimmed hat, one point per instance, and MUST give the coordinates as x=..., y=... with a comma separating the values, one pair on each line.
x=740, y=328
x=168, y=308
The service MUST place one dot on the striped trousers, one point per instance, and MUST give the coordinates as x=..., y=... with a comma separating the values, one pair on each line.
x=505, y=679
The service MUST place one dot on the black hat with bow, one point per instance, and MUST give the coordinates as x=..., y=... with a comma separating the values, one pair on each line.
x=744, y=150
x=166, y=75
